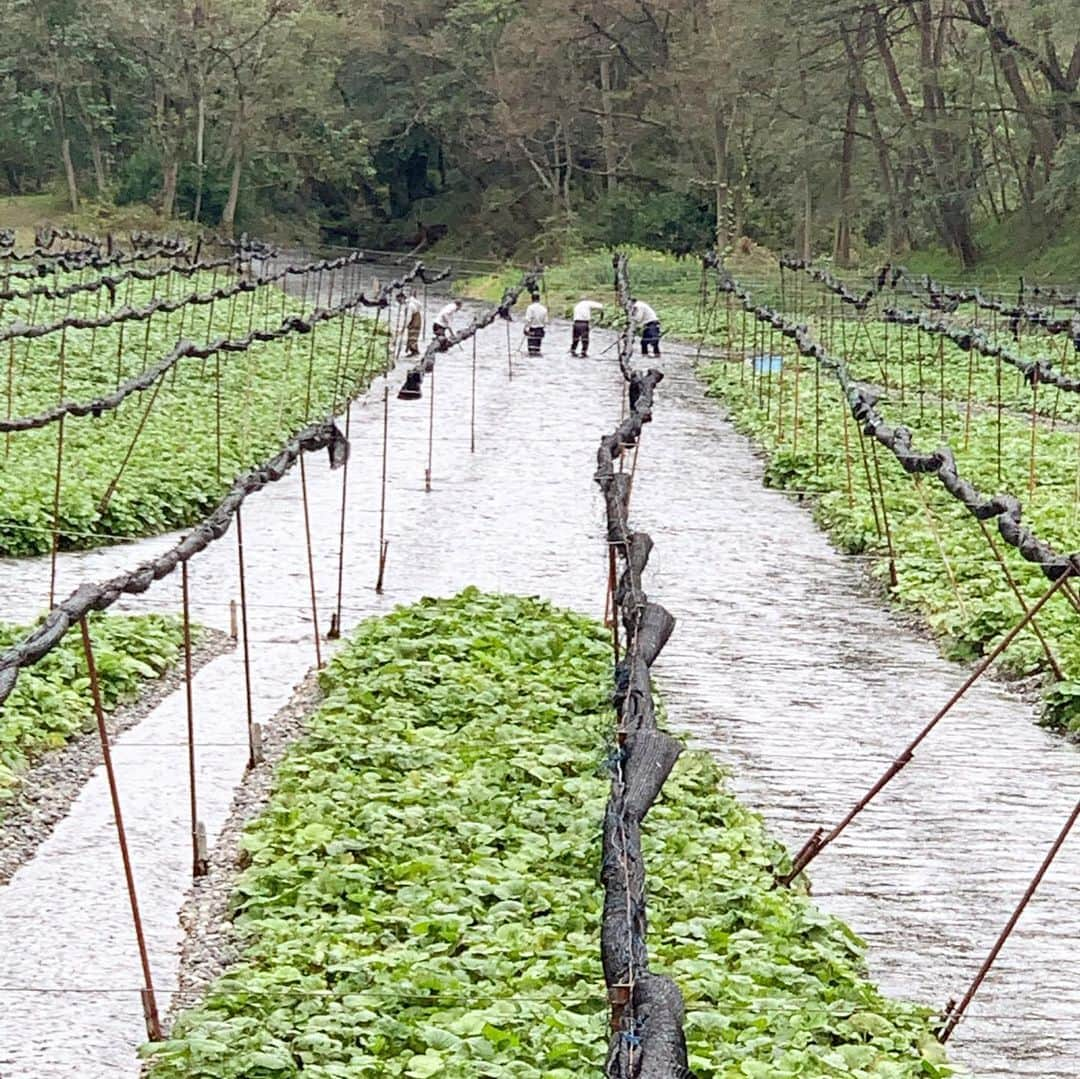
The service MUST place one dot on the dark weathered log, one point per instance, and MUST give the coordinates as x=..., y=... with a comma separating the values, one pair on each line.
x=622, y=930
x=653, y=632
x=658, y=1005
x=974, y=339
x=635, y=706
x=641, y=393
x=184, y=350
x=649, y=756
x=637, y=553
x=616, y=489
x=649, y=1040
x=940, y=463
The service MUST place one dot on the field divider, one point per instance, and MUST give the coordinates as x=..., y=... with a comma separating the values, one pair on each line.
x=647, y=1009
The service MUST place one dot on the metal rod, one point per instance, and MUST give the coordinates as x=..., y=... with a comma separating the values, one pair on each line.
x=970, y=393
x=818, y=843
x=1032, y=471
x=10, y=392
x=955, y=1014
x=884, y=514
x=431, y=430
x=335, y=621
x=1050, y=658
x=106, y=498
x=311, y=565
x=56, y=512
x=844, y=411
x=252, y=755
x=382, y=489
x=946, y=561
x=217, y=412
x=472, y=410
x=59, y=466
x=869, y=483
x=153, y=1023
x=198, y=862
x=1000, y=409
x=941, y=384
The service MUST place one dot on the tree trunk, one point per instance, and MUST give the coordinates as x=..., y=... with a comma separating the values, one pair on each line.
x=607, y=127
x=200, y=141
x=881, y=36
x=65, y=153
x=171, y=171
x=228, y=215
x=842, y=244
x=567, y=173
x=954, y=180
x=556, y=175
x=722, y=236
x=896, y=204
x=720, y=179
x=941, y=157
x=100, y=178
x=69, y=172
x=808, y=219
x=97, y=156
x=1042, y=133
x=1026, y=194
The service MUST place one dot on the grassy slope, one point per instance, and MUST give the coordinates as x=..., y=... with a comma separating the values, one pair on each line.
x=423, y=896
x=24, y=213
x=1047, y=252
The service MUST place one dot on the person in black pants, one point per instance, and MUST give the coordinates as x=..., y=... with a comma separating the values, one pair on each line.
x=642, y=313
x=583, y=312
x=536, y=317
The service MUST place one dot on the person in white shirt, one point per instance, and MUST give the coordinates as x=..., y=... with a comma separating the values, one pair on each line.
x=641, y=312
x=536, y=317
x=414, y=322
x=583, y=313
x=444, y=320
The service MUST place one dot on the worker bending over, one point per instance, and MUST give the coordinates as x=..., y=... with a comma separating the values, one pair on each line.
x=444, y=320
x=536, y=318
x=641, y=312
x=583, y=313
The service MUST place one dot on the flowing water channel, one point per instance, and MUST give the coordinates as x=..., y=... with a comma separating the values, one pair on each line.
x=782, y=664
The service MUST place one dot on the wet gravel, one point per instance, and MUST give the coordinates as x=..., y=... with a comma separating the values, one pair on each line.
x=782, y=664
x=210, y=944
x=47, y=789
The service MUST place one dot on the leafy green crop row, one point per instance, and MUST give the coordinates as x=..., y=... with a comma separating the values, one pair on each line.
x=945, y=567
x=172, y=478
x=928, y=367
x=423, y=894
x=51, y=700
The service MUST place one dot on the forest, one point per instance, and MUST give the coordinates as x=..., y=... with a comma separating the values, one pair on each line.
x=834, y=127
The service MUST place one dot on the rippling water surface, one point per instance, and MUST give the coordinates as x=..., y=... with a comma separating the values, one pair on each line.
x=782, y=665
